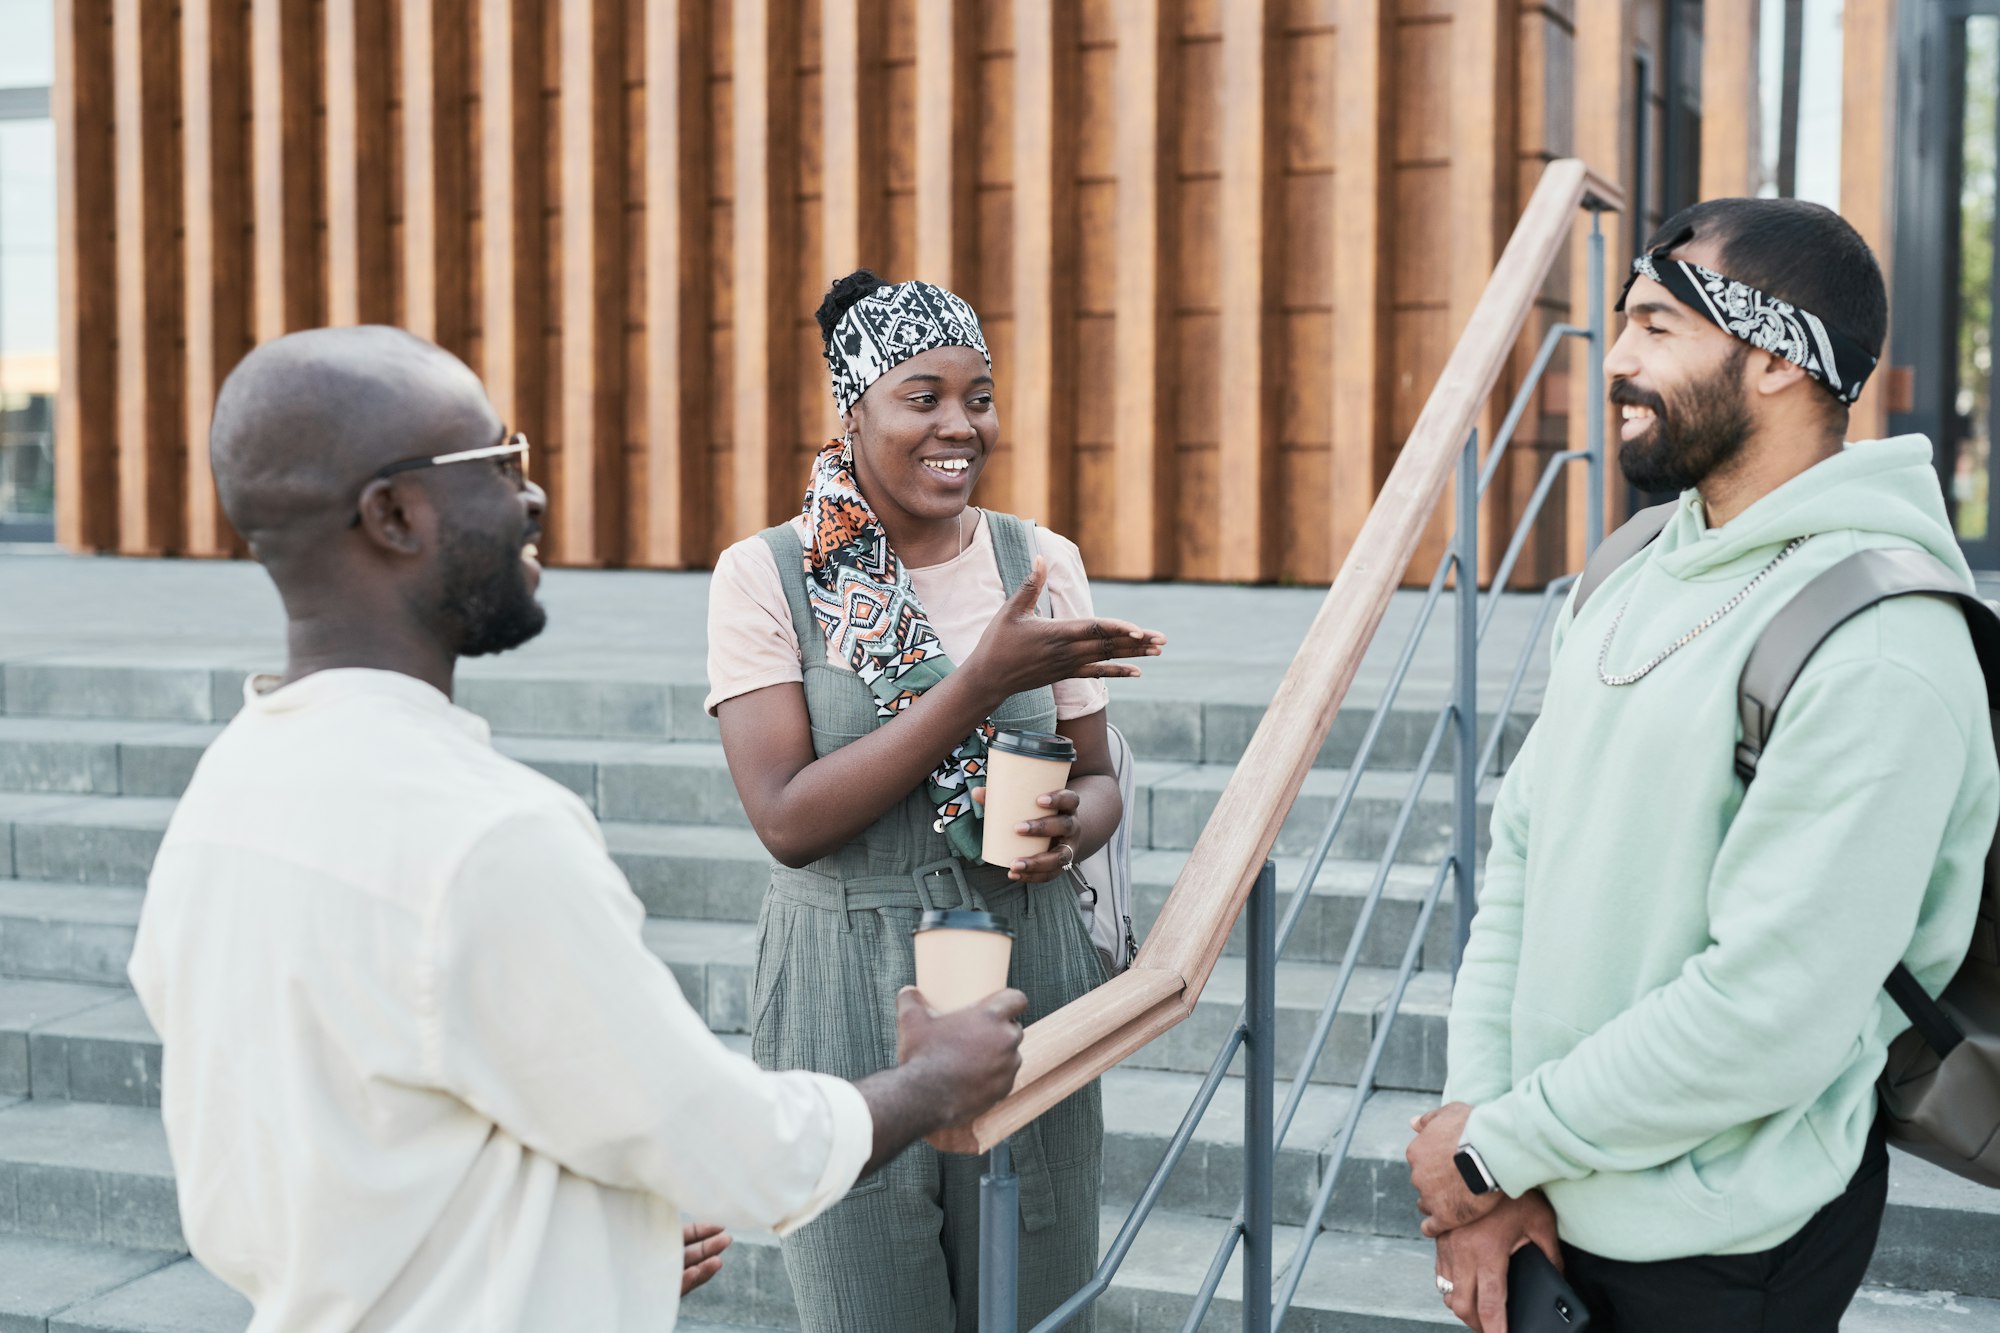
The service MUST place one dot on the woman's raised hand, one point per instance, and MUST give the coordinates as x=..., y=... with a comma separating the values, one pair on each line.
x=1021, y=650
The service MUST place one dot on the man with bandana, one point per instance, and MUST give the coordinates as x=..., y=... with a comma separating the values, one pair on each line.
x=420, y=1070
x=1667, y=1028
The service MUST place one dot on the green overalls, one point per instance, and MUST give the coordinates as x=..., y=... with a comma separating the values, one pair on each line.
x=900, y=1253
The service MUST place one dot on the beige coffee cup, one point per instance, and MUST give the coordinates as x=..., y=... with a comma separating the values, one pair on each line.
x=962, y=958
x=1021, y=768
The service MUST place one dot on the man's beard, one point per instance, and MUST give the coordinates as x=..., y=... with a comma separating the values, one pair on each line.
x=487, y=605
x=1706, y=426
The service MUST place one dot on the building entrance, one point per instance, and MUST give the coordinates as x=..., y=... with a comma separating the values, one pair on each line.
x=1943, y=318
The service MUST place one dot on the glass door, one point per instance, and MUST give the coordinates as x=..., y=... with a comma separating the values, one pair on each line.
x=1945, y=281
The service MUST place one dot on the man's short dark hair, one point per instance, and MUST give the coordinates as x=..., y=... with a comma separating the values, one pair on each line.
x=1797, y=251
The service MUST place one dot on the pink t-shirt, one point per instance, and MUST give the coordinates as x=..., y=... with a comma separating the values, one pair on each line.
x=751, y=643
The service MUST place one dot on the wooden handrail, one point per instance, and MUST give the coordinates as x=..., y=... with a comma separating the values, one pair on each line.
x=1078, y=1042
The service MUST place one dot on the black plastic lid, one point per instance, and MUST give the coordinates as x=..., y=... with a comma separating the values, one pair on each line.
x=1035, y=744
x=959, y=918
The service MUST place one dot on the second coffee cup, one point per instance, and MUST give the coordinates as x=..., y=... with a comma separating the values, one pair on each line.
x=1021, y=768
x=962, y=958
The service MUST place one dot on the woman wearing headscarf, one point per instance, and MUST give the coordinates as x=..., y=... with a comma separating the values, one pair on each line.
x=861, y=657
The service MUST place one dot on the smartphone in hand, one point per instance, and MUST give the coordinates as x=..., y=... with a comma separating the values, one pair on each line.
x=1539, y=1300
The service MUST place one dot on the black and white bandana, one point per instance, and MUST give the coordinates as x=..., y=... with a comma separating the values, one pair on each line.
x=890, y=325
x=1766, y=323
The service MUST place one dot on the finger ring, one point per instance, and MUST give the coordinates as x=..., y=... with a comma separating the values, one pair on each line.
x=1444, y=1285
x=1070, y=862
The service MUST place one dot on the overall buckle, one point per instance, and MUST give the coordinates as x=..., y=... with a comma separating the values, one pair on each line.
x=950, y=865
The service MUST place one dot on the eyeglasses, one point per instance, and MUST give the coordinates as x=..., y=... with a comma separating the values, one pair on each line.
x=512, y=453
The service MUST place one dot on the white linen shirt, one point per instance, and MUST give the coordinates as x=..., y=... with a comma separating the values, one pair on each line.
x=420, y=1072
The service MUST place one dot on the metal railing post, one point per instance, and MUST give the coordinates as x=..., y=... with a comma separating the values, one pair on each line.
x=1595, y=390
x=1260, y=1100
x=1465, y=697
x=999, y=1243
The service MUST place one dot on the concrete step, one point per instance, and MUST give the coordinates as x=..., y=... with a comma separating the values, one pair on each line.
x=695, y=872
x=82, y=1035
x=688, y=783
x=1190, y=729
x=86, y=1172
x=67, y=932
x=52, y=1284
x=65, y=1287
x=95, y=840
x=1412, y=1061
x=99, y=848
x=99, y=1175
x=38, y=1020
x=1940, y=1232
x=1352, y=1284
x=106, y=1054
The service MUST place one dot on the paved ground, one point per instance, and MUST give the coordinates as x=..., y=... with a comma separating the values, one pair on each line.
x=1226, y=643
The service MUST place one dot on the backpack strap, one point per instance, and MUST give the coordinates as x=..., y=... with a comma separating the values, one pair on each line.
x=791, y=557
x=1788, y=643
x=1632, y=537
x=1013, y=548
x=1823, y=606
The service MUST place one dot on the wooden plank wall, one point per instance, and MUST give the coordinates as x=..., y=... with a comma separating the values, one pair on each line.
x=1221, y=249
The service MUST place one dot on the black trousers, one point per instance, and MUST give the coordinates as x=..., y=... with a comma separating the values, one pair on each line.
x=1801, y=1286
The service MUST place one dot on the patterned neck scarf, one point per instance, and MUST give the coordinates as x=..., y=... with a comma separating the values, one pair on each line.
x=862, y=601
x=889, y=326
x=1827, y=354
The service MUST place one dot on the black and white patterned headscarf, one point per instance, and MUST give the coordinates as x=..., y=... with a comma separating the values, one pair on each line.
x=890, y=325
x=1826, y=353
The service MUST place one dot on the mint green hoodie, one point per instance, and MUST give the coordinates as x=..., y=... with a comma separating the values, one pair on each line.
x=1670, y=1015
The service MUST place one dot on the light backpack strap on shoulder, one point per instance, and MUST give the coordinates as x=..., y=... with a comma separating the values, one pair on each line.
x=1632, y=537
x=1013, y=548
x=1823, y=606
x=1940, y=1086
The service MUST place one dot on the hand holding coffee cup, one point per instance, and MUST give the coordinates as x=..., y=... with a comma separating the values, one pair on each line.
x=965, y=1060
x=1024, y=650
x=1026, y=773
x=1054, y=830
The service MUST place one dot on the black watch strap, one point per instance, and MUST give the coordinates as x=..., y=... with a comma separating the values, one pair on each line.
x=1472, y=1168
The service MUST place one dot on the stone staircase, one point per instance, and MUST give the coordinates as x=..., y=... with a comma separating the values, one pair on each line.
x=92, y=757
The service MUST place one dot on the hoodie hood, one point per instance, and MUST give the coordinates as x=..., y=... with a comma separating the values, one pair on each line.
x=1888, y=488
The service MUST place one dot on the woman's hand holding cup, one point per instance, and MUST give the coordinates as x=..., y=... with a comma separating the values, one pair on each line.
x=1060, y=824
x=1024, y=650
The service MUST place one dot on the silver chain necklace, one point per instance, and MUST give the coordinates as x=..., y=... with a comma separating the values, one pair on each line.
x=1604, y=653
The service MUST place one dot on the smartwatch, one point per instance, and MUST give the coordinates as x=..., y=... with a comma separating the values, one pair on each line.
x=1472, y=1167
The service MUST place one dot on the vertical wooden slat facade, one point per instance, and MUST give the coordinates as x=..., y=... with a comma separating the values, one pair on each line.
x=145, y=61
x=1045, y=276
x=360, y=272
x=762, y=90
x=1355, y=361
x=1221, y=248
x=946, y=146
x=512, y=225
x=1868, y=173
x=1249, y=241
x=676, y=254
x=215, y=143
x=1729, y=121
x=86, y=442
x=590, y=502
x=1146, y=99
x=288, y=280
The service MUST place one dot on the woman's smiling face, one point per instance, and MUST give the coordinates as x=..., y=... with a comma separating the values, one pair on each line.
x=923, y=433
